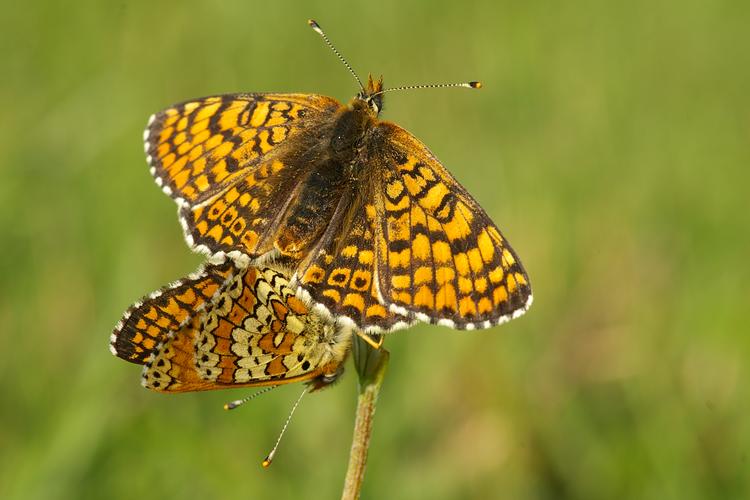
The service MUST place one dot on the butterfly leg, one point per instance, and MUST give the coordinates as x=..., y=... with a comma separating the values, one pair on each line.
x=375, y=344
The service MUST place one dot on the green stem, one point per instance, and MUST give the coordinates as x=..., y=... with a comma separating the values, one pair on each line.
x=371, y=364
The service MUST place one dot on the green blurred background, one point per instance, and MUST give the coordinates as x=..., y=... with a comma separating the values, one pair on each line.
x=611, y=144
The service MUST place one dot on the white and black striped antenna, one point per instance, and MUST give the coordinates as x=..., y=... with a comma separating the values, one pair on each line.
x=314, y=25
x=269, y=458
x=468, y=85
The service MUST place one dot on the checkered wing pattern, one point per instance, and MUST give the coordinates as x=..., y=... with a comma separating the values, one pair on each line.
x=246, y=216
x=251, y=331
x=255, y=332
x=198, y=147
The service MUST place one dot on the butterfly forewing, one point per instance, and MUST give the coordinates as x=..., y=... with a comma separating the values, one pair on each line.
x=198, y=147
x=441, y=256
x=153, y=319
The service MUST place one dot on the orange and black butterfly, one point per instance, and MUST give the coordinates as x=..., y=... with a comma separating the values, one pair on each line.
x=230, y=326
x=378, y=232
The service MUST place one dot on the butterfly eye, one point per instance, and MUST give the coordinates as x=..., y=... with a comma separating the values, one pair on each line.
x=371, y=103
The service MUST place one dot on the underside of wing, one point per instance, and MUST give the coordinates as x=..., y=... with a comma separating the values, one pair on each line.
x=156, y=317
x=254, y=332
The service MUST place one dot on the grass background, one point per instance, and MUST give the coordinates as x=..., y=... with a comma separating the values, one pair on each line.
x=610, y=143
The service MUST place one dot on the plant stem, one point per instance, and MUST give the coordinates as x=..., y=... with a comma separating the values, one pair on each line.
x=371, y=365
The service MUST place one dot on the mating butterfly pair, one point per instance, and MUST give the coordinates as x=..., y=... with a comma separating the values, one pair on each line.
x=296, y=196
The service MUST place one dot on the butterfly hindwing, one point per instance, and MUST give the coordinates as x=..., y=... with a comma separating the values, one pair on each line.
x=245, y=215
x=341, y=273
x=197, y=147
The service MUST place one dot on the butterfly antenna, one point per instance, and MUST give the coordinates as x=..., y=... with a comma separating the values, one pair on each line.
x=314, y=25
x=468, y=85
x=237, y=402
x=269, y=458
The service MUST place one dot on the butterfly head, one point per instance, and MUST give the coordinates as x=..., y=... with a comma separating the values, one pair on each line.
x=372, y=95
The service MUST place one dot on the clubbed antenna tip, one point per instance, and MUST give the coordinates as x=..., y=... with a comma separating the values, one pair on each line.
x=314, y=25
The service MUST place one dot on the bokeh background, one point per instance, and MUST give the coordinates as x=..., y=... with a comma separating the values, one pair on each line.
x=611, y=143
